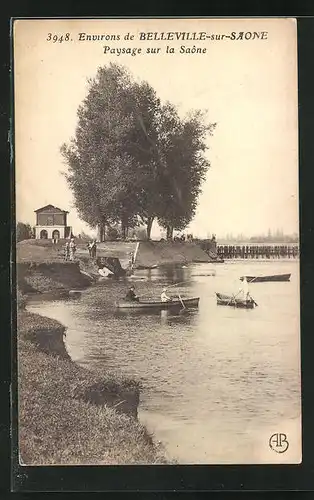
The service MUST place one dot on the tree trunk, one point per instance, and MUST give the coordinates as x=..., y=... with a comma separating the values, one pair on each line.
x=101, y=231
x=169, y=232
x=149, y=226
x=124, y=227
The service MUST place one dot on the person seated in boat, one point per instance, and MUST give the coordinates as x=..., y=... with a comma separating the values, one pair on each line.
x=131, y=295
x=244, y=290
x=164, y=297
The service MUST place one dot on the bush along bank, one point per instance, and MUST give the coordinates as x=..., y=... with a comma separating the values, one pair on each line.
x=70, y=415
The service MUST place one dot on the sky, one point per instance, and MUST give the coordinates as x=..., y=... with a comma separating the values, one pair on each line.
x=248, y=87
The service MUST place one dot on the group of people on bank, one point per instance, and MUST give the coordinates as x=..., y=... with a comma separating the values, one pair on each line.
x=70, y=249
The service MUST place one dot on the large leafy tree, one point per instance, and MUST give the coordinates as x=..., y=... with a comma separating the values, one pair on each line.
x=93, y=156
x=110, y=157
x=133, y=159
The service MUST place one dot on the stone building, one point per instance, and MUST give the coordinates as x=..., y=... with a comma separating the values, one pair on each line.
x=51, y=223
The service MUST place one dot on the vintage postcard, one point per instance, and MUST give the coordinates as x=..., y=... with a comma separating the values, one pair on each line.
x=157, y=237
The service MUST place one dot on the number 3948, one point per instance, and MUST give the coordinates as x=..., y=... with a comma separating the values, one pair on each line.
x=58, y=38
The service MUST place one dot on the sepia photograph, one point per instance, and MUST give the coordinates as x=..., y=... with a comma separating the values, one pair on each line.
x=157, y=241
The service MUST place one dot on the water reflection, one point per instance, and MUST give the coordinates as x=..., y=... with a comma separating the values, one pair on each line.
x=166, y=316
x=174, y=274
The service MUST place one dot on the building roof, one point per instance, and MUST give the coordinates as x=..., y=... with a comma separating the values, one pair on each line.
x=51, y=209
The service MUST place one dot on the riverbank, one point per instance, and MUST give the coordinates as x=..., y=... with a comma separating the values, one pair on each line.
x=41, y=267
x=52, y=277
x=69, y=415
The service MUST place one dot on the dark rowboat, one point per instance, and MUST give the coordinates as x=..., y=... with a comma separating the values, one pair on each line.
x=261, y=279
x=150, y=304
x=230, y=300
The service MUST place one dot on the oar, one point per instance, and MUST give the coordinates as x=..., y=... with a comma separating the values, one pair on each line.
x=233, y=298
x=180, y=298
x=181, y=301
x=253, y=300
x=250, y=294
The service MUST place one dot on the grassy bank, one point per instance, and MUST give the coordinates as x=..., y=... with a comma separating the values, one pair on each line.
x=51, y=277
x=69, y=415
x=41, y=268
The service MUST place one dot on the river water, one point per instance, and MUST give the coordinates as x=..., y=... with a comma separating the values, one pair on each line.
x=218, y=382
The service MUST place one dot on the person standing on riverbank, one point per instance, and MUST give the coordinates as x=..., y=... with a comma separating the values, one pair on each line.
x=66, y=251
x=93, y=249
x=89, y=249
x=72, y=249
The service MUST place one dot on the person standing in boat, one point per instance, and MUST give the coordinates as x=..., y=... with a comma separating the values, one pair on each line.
x=164, y=297
x=245, y=289
x=131, y=295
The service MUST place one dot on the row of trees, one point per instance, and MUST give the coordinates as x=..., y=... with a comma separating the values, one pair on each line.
x=134, y=159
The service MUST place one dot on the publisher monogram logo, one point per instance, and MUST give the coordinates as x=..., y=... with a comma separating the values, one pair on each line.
x=279, y=442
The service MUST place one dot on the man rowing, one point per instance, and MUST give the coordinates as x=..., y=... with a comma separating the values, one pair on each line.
x=131, y=295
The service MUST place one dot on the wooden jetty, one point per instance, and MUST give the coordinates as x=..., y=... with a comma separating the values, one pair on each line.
x=257, y=251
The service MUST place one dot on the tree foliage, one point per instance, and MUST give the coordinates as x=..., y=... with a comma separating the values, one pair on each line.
x=183, y=146
x=133, y=159
x=23, y=231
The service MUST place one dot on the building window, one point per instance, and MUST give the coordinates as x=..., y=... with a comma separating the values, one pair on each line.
x=59, y=220
x=49, y=220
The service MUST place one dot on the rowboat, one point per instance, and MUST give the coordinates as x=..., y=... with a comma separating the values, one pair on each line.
x=261, y=279
x=153, y=304
x=230, y=300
